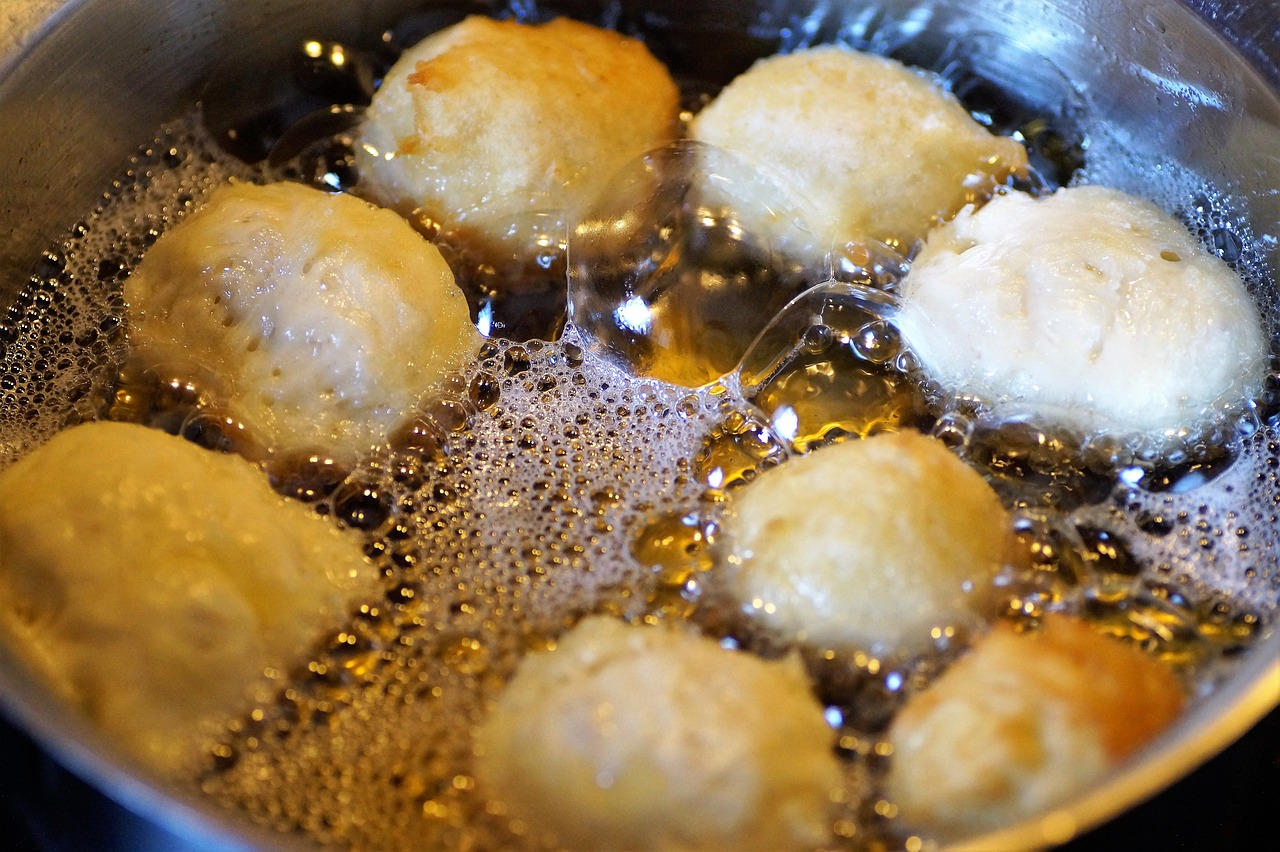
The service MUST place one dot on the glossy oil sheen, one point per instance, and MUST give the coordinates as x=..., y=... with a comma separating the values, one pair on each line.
x=99, y=77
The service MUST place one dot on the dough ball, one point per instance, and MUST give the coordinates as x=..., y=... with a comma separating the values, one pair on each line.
x=873, y=149
x=628, y=737
x=319, y=319
x=151, y=582
x=489, y=119
x=1023, y=723
x=867, y=544
x=1088, y=309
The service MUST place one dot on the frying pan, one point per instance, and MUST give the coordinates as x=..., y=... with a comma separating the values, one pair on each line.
x=84, y=82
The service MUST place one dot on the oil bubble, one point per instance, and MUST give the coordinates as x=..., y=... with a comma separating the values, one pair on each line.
x=516, y=285
x=666, y=278
x=823, y=370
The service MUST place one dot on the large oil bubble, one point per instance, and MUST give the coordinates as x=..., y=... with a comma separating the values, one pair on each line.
x=686, y=258
x=515, y=282
x=831, y=366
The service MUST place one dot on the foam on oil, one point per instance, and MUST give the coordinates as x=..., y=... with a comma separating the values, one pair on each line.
x=548, y=494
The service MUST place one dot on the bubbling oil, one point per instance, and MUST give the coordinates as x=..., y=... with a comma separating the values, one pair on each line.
x=548, y=482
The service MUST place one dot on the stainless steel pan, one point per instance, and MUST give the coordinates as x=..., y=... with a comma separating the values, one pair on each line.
x=83, y=82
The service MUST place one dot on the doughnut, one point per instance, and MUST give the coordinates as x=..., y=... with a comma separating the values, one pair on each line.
x=1023, y=723
x=486, y=120
x=869, y=544
x=318, y=319
x=152, y=582
x=637, y=737
x=1088, y=309
x=873, y=149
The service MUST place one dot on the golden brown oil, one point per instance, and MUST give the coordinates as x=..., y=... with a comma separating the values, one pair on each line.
x=830, y=395
x=549, y=483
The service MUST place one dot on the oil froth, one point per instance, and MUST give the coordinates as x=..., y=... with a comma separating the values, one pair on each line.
x=551, y=483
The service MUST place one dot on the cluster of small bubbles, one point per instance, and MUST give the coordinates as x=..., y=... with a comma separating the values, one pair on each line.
x=1222, y=230
x=1150, y=543
x=734, y=453
x=1186, y=574
x=1028, y=465
x=1212, y=530
x=520, y=517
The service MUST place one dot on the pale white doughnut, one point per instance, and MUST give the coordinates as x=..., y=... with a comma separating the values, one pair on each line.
x=1088, y=309
x=868, y=544
x=627, y=737
x=319, y=319
x=872, y=148
x=1021, y=724
x=489, y=119
x=152, y=582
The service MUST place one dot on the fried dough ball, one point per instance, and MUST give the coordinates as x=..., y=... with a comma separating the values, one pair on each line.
x=1089, y=309
x=873, y=149
x=1023, y=723
x=627, y=737
x=319, y=319
x=151, y=582
x=868, y=544
x=489, y=119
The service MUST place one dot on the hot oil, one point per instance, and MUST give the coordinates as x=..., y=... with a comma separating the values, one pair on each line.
x=548, y=483
x=842, y=383
x=522, y=521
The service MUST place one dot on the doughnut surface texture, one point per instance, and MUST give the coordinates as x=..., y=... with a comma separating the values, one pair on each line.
x=872, y=148
x=151, y=582
x=319, y=319
x=869, y=543
x=636, y=737
x=1088, y=309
